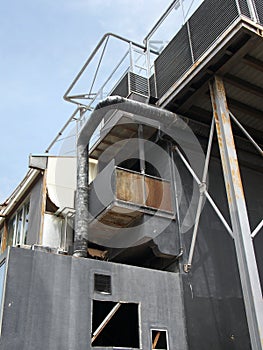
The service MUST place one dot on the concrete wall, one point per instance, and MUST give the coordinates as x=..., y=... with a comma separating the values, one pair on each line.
x=48, y=301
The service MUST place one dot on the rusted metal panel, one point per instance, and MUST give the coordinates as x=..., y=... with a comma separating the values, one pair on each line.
x=143, y=190
x=158, y=194
x=129, y=187
x=117, y=218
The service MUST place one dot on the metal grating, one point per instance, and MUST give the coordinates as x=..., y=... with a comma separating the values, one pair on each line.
x=121, y=89
x=244, y=8
x=139, y=84
x=175, y=59
x=152, y=86
x=210, y=20
x=102, y=283
x=259, y=8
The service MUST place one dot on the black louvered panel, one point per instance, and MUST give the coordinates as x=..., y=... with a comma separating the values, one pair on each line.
x=244, y=8
x=173, y=61
x=152, y=86
x=102, y=283
x=121, y=89
x=211, y=19
x=259, y=8
x=139, y=84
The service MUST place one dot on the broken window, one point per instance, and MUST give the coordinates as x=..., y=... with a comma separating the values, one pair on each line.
x=115, y=324
x=102, y=283
x=159, y=339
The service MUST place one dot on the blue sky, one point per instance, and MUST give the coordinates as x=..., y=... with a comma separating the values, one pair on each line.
x=44, y=43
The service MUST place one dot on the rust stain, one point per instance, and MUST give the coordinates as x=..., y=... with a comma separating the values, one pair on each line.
x=196, y=64
x=159, y=194
x=228, y=191
x=5, y=238
x=225, y=118
x=129, y=187
x=237, y=179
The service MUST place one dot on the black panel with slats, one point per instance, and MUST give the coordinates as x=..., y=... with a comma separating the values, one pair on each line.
x=173, y=62
x=210, y=20
x=259, y=8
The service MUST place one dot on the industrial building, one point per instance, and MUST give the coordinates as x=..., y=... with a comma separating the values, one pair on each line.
x=148, y=235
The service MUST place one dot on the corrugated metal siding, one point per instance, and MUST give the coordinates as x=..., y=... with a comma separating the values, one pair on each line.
x=173, y=62
x=211, y=19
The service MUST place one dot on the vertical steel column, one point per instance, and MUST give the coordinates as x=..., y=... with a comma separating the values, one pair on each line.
x=239, y=217
x=141, y=149
x=252, y=10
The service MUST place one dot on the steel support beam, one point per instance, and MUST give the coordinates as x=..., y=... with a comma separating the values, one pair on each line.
x=239, y=217
x=253, y=62
x=141, y=149
x=202, y=188
x=209, y=198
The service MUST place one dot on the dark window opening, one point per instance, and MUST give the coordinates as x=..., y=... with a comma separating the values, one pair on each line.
x=134, y=165
x=115, y=324
x=102, y=283
x=50, y=206
x=159, y=339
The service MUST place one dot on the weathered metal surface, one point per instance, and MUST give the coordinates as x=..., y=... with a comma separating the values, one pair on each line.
x=158, y=194
x=35, y=212
x=239, y=217
x=129, y=187
x=116, y=217
x=207, y=32
x=53, y=309
x=111, y=105
x=118, y=196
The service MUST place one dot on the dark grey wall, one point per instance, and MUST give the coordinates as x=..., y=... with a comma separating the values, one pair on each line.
x=48, y=301
x=215, y=314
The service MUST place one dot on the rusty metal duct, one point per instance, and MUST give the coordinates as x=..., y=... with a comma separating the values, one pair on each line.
x=109, y=105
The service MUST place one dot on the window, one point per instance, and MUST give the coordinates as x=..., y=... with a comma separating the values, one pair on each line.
x=159, y=339
x=115, y=324
x=102, y=283
x=18, y=226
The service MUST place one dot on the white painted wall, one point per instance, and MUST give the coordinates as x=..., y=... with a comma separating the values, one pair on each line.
x=52, y=230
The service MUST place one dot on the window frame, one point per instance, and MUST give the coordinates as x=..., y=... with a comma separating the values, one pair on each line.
x=138, y=304
x=20, y=232
x=160, y=330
